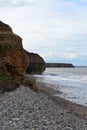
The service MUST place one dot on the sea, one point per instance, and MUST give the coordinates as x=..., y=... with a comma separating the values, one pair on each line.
x=70, y=82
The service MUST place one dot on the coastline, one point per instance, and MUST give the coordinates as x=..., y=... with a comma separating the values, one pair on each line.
x=75, y=108
x=38, y=109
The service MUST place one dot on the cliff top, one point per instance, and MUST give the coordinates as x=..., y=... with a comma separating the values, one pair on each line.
x=4, y=27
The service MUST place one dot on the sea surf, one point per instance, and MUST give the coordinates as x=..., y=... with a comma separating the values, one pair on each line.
x=71, y=82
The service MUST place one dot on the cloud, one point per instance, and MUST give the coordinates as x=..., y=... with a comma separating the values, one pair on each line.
x=69, y=55
x=57, y=26
x=14, y=3
x=76, y=59
x=55, y=56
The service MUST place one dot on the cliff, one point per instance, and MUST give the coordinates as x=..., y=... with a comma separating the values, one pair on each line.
x=36, y=63
x=13, y=60
x=61, y=65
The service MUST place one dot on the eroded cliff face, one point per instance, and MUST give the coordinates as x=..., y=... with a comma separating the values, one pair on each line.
x=13, y=60
x=36, y=64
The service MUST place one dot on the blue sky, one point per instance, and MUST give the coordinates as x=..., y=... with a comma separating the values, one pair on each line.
x=56, y=29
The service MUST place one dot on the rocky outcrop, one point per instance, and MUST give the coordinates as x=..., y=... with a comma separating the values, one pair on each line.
x=61, y=65
x=13, y=60
x=36, y=64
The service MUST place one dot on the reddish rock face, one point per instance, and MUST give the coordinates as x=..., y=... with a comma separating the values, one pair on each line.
x=13, y=60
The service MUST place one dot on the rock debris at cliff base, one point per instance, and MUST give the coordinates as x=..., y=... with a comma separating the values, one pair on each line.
x=24, y=109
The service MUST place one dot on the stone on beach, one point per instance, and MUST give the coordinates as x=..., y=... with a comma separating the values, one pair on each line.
x=68, y=128
x=25, y=109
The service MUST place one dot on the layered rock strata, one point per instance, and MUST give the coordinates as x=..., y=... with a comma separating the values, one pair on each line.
x=36, y=64
x=13, y=60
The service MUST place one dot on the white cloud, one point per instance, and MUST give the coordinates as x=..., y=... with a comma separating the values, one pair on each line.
x=43, y=23
x=53, y=55
x=69, y=55
x=15, y=2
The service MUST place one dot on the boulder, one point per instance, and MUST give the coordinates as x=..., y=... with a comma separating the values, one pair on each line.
x=13, y=59
x=36, y=64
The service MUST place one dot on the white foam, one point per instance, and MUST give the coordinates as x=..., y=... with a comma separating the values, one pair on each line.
x=72, y=85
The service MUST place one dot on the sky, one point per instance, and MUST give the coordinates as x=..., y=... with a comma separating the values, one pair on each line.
x=55, y=29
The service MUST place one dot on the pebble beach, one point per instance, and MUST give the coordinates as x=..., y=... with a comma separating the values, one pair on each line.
x=25, y=109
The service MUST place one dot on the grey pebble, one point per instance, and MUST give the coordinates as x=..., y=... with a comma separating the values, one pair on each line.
x=24, y=109
x=68, y=128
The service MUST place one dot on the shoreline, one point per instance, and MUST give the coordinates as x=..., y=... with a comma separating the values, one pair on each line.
x=74, y=108
x=32, y=106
